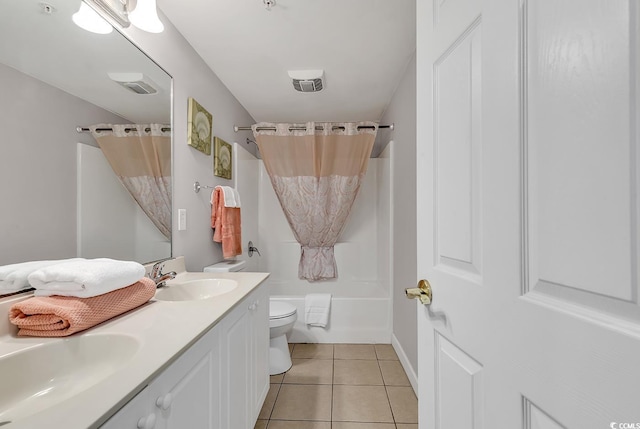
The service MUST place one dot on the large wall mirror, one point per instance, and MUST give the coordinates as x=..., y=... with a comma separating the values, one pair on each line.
x=60, y=197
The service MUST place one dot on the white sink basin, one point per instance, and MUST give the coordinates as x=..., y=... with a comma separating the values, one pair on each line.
x=195, y=289
x=47, y=374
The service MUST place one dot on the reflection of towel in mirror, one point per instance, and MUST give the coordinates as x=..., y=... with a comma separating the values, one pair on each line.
x=59, y=316
x=227, y=224
x=14, y=277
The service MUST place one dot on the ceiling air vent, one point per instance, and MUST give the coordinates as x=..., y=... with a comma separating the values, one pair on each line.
x=135, y=82
x=307, y=80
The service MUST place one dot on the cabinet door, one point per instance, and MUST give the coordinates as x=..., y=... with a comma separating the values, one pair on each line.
x=136, y=413
x=186, y=394
x=260, y=350
x=236, y=385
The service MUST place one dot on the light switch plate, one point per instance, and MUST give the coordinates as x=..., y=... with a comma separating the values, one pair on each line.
x=182, y=219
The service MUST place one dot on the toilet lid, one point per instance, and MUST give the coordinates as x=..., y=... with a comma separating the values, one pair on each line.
x=279, y=309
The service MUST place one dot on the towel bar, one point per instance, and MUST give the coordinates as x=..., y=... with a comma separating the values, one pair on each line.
x=197, y=186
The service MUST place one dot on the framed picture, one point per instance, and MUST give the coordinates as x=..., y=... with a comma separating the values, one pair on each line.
x=222, y=158
x=200, y=125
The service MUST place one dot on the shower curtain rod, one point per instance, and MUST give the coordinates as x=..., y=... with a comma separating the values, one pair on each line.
x=302, y=128
x=126, y=130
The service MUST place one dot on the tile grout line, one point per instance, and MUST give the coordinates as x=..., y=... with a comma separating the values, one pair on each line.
x=384, y=382
x=333, y=359
x=333, y=380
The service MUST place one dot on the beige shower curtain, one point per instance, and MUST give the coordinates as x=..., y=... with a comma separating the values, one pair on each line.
x=316, y=172
x=140, y=156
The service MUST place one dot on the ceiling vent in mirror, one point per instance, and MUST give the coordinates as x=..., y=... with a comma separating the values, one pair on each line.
x=136, y=82
x=307, y=80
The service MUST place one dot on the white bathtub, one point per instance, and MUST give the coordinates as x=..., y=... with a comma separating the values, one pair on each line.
x=352, y=320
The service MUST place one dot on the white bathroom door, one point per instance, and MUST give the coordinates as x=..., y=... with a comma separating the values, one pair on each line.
x=528, y=212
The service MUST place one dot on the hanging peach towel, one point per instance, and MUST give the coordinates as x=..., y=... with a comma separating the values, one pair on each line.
x=227, y=224
x=59, y=316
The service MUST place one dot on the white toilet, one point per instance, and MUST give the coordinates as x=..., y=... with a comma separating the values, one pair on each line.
x=282, y=316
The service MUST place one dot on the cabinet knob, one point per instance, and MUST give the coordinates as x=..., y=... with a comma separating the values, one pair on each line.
x=253, y=306
x=164, y=402
x=148, y=422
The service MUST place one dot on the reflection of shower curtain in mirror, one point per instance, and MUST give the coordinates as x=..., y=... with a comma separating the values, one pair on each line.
x=316, y=174
x=140, y=156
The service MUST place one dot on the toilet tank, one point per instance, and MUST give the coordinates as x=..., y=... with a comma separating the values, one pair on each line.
x=225, y=267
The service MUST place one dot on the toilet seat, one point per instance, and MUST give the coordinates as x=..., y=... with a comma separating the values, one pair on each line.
x=280, y=310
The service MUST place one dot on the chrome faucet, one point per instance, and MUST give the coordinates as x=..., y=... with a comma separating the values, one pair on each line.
x=158, y=276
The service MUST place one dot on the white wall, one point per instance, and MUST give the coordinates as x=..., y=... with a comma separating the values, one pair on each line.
x=192, y=78
x=118, y=230
x=104, y=230
x=38, y=141
x=402, y=112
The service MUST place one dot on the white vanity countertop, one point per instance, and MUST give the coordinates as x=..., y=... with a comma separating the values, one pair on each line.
x=163, y=329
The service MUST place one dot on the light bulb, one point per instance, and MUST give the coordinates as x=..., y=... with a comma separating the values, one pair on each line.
x=88, y=19
x=145, y=17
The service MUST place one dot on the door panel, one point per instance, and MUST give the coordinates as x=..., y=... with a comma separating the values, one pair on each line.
x=528, y=213
x=457, y=134
x=452, y=17
x=581, y=153
x=535, y=418
x=459, y=387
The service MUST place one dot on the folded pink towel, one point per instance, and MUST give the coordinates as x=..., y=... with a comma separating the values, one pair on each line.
x=59, y=316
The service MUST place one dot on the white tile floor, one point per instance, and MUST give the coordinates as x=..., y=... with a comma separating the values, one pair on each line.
x=341, y=386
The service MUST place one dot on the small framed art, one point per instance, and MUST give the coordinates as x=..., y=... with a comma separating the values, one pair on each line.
x=222, y=158
x=200, y=125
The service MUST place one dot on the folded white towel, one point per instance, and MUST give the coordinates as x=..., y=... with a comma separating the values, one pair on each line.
x=13, y=278
x=231, y=196
x=85, y=278
x=237, y=197
x=316, y=309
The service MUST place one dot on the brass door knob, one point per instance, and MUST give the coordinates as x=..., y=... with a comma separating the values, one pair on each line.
x=422, y=292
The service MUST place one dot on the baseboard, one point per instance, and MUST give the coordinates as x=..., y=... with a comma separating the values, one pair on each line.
x=404, y=361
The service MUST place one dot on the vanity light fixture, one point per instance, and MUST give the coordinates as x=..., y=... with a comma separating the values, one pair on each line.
x=88, y=19
x=144, y=15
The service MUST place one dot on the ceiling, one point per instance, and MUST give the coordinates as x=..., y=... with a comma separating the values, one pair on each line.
x=51, y=48
x=363, y=46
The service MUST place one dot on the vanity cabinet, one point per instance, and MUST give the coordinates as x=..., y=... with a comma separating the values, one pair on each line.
x=220, y=382
x=184, y=395
x=245, y=361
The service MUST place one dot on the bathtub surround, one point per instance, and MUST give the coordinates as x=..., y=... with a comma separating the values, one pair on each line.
x=245, y=181
x=361, y=296
x=316, y=175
